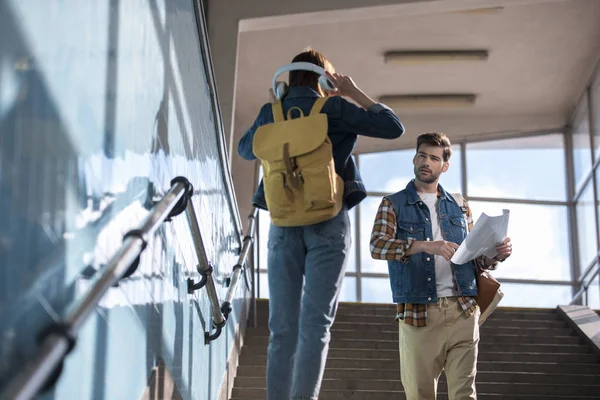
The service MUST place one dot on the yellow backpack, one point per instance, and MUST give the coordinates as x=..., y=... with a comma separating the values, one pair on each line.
x=301, y=185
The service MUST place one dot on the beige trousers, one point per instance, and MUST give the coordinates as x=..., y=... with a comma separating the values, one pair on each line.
x=448, y=342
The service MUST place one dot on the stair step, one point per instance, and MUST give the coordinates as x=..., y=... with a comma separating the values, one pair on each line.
x=523, y=354
x=258, y=345
x=483, y=356
x=390, y=310
x=496, y=316
x=517, y=320
x=337, y=367
x=393, y=336
x=360, y=330
x=381, y=395
x=246, y=373
x=331, y=388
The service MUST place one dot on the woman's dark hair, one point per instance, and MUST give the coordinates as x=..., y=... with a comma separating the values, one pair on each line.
x=308, y=78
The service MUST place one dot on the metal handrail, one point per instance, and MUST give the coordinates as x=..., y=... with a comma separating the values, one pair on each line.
x=239, y=266
x=593, y=270
x=578, y=295
x=220, y=315
x=57, y=340
x=592, y=267
x=205, y=268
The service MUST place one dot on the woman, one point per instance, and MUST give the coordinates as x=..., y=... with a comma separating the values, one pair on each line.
x=314, y=255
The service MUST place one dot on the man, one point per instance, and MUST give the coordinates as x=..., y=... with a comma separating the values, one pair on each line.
x=418, y=230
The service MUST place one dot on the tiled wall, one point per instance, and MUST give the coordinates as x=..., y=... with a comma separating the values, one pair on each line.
x=102, y=103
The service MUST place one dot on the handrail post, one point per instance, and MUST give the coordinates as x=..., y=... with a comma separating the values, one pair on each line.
x=252, y=264
x=205, y=268
x=593, y=271
x=238, y=268
x=577, y=296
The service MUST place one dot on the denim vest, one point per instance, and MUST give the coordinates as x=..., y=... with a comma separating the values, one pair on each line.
x=414, y=281
x=345, y=123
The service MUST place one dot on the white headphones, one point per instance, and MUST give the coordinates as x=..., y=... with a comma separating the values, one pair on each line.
x=280, y=88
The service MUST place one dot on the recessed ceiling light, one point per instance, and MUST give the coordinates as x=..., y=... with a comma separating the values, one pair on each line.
x=429, y=100
x=486, y=10
x=433, y=56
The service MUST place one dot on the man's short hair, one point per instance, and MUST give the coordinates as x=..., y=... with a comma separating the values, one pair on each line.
x=438, y=140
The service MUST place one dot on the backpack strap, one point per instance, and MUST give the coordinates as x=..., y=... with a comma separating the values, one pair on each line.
x=278, y=112
x=316, y=108
x=278, y=115
x=460, y=200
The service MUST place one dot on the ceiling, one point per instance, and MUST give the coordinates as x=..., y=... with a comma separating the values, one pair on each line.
x=541, y=55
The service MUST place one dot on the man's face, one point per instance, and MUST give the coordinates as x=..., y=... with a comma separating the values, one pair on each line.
x=429, y=163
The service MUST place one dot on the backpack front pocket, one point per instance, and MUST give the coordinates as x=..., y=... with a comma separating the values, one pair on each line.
x=319, y=188
x=279, y=196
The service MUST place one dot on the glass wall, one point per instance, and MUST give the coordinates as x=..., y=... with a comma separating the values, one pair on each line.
x=586, y=158
x=582, y=148
x=526, y=175
x=511, y=173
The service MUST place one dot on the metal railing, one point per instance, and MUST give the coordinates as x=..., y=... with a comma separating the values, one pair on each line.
x=586, y=280
x=57, y=340
x=238, y=268
x=220, y=314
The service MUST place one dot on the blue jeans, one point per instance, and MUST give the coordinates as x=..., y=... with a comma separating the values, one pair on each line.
x=310, y=259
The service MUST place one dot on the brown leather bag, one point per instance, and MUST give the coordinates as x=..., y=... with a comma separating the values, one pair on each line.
x=488, y=294
x=488, y=288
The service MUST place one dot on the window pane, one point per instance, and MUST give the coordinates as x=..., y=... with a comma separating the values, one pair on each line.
x=597, y=177
x=518, y=168
x=593, y=294
x=451, y=180
x=376, y=290
x=348, y=292
x=264, y=221
x=263, y=286
x=595, y=107
x=351, y=266
x=582, y=155
x=390, y=171
x=540, y=238
x=368, y=210
x=396, y=164
x=528, y=295
x=586, y=226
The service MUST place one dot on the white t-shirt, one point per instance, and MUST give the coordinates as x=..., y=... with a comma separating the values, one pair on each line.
x=444, y=278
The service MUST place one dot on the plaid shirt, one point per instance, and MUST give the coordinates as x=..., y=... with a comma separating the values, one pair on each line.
x=385, y=246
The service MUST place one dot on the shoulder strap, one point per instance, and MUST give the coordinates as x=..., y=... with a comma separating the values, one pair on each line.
x=316, y=108
x=278, y=112
x=460, y=200
x=278, y=109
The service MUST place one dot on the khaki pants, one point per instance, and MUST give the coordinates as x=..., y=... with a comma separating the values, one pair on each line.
x=449, y=342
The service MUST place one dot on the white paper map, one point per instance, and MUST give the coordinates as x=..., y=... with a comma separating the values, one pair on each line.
x=487, y=233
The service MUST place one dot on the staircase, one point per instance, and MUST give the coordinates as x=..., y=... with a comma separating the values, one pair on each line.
x=523, y=354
